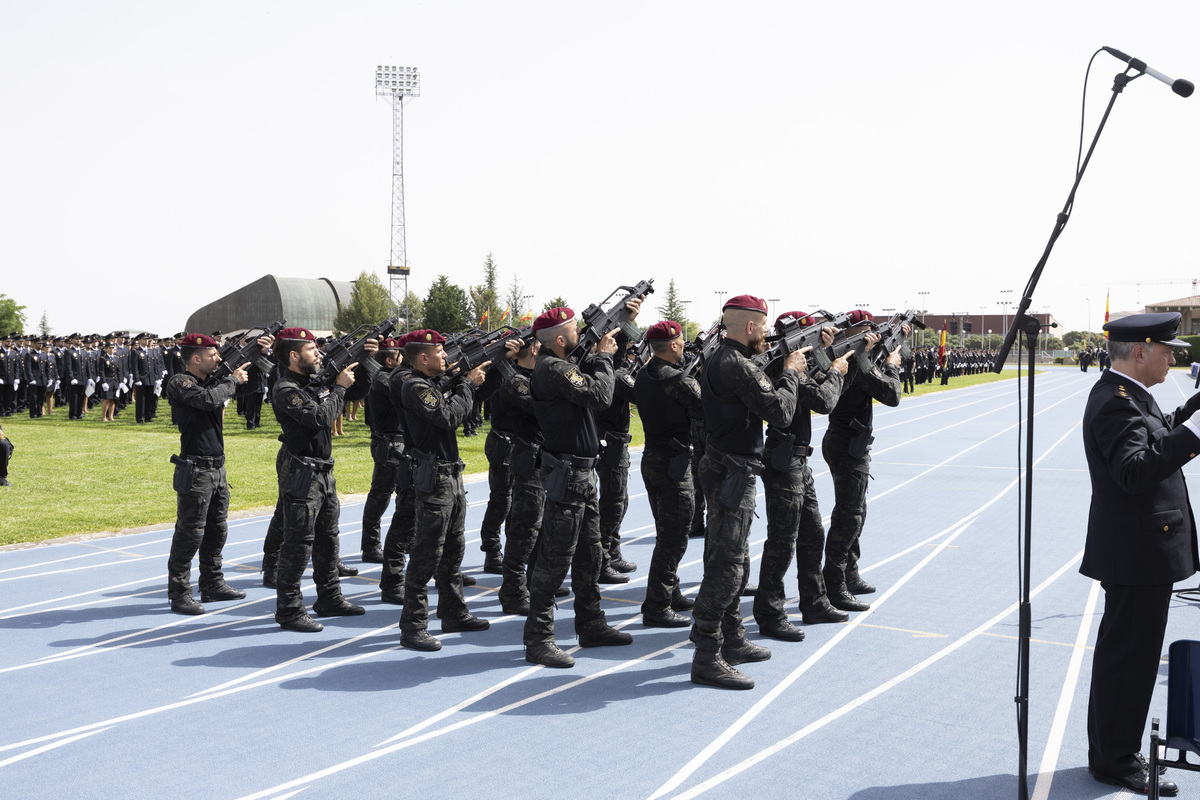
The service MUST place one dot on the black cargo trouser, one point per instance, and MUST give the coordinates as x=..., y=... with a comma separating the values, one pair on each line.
x=437, y=552
x=850, y=474
x=200, y=526
x=498, y=449
x=310, y=530
x=672, y=504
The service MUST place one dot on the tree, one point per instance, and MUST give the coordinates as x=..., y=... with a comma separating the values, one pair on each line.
x=485, y=297
x=447, y=309
x=415, y=308
x=555, y=302
x=12, y=316
x=44, y=324
x=514, y=300
x=674, y=309
x=1073, y=338
x=369, y=304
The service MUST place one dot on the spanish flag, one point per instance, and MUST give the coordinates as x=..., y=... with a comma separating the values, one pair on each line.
x=527, y=316
x=942, y=346
x=483, y=319
x=1106, y=294
x=504, y=316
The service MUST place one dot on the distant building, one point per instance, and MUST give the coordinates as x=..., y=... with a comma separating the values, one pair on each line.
x=1189, y=307
x=303, y=302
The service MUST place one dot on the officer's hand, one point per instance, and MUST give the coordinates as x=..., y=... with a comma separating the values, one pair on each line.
x=872, y=339
x=265, y=343
x=2, y=436
x=512, y=347
x=633, y=305
x=371, y=346
x=345, y=378
x=827, y=335
x=240, y=374
x=842, y=364
x=797, y=361
x=74, y=382
x=905, y=329
x=894, y=357
x=608, y=344
x=477, y=375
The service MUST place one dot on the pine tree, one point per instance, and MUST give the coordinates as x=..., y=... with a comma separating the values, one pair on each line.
x=44, y=325
x=447, y=309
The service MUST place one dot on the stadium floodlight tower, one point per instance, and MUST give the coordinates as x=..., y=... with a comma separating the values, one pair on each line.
x=398, y=85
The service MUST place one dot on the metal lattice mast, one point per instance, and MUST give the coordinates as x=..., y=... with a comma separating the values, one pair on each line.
x=398, y=85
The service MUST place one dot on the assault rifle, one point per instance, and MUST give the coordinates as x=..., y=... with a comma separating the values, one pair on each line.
x=891, y=334
x=349, y=350
x=476, y=347
x=599, y=321
x=701, y=348
x=793, y=336
x=245, y=348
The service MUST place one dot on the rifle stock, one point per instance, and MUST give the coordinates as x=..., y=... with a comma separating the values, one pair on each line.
x=349, y=350
x=238, y=351
x=600, y=321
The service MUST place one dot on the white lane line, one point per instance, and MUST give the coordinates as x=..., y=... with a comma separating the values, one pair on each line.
x=715, y=746
x=51, y=746
x=375, y=754
x=866, y=697
x=1058, y=728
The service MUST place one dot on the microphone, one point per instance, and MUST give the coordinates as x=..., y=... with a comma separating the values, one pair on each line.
x=1181, y=87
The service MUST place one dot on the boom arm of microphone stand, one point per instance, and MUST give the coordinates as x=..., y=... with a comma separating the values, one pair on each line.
x=1119, y=83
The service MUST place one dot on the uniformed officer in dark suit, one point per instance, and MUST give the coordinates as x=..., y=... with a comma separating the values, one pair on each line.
x=6, y=451
x=737, y=398
x=566, y=397
x=1141, y=536
x=667, y=402
x=432, y=419
x=198, y=406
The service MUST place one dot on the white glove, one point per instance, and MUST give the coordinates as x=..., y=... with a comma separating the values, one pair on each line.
x=137, y=383
x=104, y=386
x=16, y=384
x=74, y=382
x=1, y=381
x=158, y=388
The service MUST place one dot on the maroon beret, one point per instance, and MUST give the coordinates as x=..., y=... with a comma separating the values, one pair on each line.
x=746, y=301
x=553, y=317
x=198, y=340
x=297, y=334
x=667, y=329
x=803, y=318
x=390, y=344
x=859, y=315
x=424, y=336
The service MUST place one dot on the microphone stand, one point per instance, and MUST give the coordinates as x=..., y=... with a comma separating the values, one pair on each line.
x=1030, y=326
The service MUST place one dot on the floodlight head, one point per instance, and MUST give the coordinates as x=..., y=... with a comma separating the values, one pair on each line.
x=397, y=82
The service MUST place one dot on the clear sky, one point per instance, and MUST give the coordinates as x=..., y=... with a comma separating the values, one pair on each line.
x=156, y=155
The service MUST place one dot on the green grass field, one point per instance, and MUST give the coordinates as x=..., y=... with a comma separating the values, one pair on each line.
x=89, y=477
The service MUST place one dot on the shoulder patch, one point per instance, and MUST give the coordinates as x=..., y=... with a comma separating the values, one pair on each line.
x=1121, y=391
x=764, y=382
x=430, y=398
x=627, y=379
x=574, y=377
x=522, y=388
x=188, y=382
x=692, y=384
x=294, y=398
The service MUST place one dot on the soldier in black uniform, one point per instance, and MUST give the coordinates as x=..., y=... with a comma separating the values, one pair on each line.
x=387, y=450
x=512, y=412
x=387, y=419
x=431, y=420
x=566, y=397
x=667, y=402
x=612, y=472
x=197, y=407
x=737, y=398
x=307, y=490
x=1141, y=536
x=846, y=448
x=793, y=515
x=498, y=449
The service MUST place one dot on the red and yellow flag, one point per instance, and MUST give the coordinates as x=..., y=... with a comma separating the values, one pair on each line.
x=942, y=346
x=1106, y=294
x=504, y=316
x=483, y=319
x=527, y=316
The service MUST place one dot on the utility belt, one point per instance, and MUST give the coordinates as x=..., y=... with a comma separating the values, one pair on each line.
x=678, y=455
x=739, y=472
x=386, y=449
x=860, y=442
x=781, y=450
x=613, y=448
x=304, y=469
x=186, y=467
x=566, y=473
x=525, y=457
x=426, y=468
